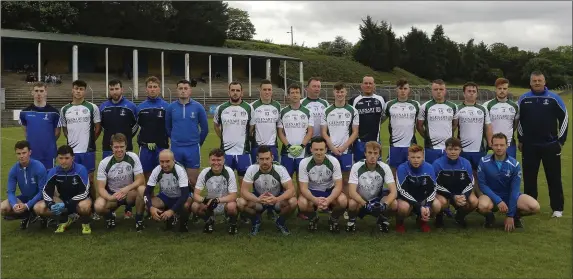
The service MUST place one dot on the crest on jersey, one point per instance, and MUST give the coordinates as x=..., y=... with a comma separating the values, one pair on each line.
x=85, y=110
x=192, y=114
x=508, y=173
x=462, y=176
x=243, y=113
x=480, y=112
x=33, y=180
x=424, y=181
x=411, y=108
x=347, y=114
x=75, y=181
x=159, y=114
x=546, y=102
x=128, y=168
x=511, y=109
x=449, y=110
x=122, y=112
x=275, y=112
x=46, y=117
x=303, y=117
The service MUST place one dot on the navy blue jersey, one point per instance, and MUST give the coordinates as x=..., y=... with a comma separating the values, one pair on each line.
x=40, y=123
x=72, y=184
x=453, y=177
x=543, y=118
x=151, y=120
x=417, y=186
x=118, y=118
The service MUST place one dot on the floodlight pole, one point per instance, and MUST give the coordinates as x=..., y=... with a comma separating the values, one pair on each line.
x=291, y=36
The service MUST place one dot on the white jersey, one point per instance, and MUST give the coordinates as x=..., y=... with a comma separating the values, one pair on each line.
x=437, y=119
x=80, y=120
x=370, y=183
x=402, y=118
x=316, y=107
x=235, y=122
x=218, y=185
x=295, y=123
x=471, y=122
x=339, y=121
x=503, y=116
x=271, y=182
x=266, y=118
x=319, y=177
x=118, y=174
x=170, y=183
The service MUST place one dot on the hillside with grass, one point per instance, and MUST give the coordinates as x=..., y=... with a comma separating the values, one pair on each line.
x=330, y=68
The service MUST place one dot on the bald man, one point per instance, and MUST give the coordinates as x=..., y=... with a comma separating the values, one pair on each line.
x=173, y=194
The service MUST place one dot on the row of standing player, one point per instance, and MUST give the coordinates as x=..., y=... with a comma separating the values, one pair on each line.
x=120, y=115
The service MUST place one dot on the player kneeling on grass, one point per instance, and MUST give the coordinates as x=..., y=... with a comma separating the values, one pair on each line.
x=118, y=177
x=320, y=182
x=416, y=190
x=29, y=175
x=273, y=189
x=221, y=195
x=173, y=194
x=499, y=178
x=455, y=182
x=367, y=195
x=71, y=181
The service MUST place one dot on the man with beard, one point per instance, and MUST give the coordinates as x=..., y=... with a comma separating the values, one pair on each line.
x=267, y=186
x=233, y=122
x=41, y=123
x=117, y=116
x=315, y=105
x=370, y=109
x=504, y=114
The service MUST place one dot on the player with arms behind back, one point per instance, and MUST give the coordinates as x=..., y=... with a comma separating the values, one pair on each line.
x=366, y=193
x=320, y=182
x=221, y=185
x=266, y=118
x=402, y=113
x=504, y=114
x=81, y=123
x=435, y=122
x=340, y=129
x=370, y=108
x=267, y=185
x=118, y=177
x=315, y=105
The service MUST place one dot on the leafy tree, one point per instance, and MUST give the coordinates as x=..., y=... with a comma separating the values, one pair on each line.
x=240, y=25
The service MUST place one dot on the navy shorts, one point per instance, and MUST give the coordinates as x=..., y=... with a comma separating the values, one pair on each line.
x=189, y=156
x=23, y=199
x=86, y=159
x=291, y=164
x=275, y=207
x=397, y=156
x=240, y=163
x=106, y=153
x=321, y=194
x=430, y=154
x=167, y=201
x=149, y=158
x=48, y=163
x=345, y=160
x=473, y=157
x=122, y=202
x=274, y=151
x=364, y=211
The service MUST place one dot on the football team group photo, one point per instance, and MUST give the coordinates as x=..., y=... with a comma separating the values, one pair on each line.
x=310, y=159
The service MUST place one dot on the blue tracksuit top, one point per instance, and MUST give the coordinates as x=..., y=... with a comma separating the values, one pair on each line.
x=543, y=118
x=29, y=179
x=417, y=186
x=151, y=120
x=453, y=177
x=186, y=124
x=500, y=184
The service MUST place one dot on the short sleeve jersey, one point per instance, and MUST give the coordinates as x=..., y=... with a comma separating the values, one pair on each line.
x=502, y=115
x=118, y=174
x=316, y=107
x=266, y=117
x=320, y=177
x=471, y=122
x=295, y=123
x=370, y=183
x=437, y=119
x=371, y=111
x=235, y=121
x=218, y=185
x=339, y=122
x=402, y=122
x=80, y=122
x=267, y=182
x=170, y=183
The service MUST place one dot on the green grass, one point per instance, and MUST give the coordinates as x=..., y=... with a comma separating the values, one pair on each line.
x=542, y=249
x=329, y=68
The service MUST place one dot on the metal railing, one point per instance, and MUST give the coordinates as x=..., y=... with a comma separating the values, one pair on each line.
x=90, y=88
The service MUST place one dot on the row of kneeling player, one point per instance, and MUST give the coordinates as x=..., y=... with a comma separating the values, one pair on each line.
x=422, y=189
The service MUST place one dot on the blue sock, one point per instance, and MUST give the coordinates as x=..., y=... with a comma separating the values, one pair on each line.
x=109, y=215
x=256, y=218
x=138, y=217
x=128, y=208
x=281, y=220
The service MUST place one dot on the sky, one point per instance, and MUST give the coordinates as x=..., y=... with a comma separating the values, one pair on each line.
x=529, y=25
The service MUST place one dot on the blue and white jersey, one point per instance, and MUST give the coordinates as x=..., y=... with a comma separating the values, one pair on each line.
x=40, y=123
